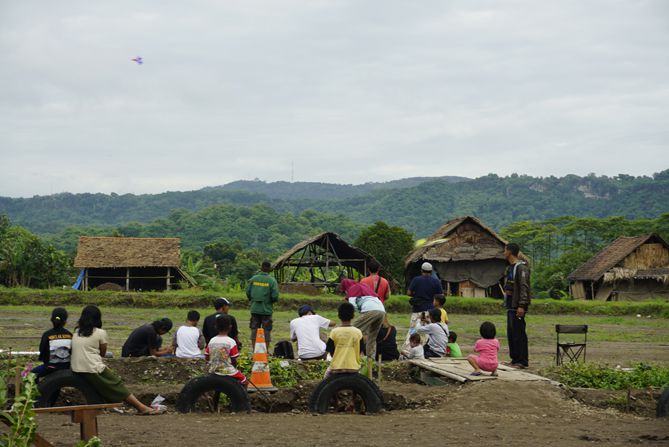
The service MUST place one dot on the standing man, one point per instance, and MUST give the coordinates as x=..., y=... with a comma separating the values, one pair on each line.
x=422, y=290
x=209, y=330
x=376, y=282
x=262, y=291
x=371, y=310
x=517, y=300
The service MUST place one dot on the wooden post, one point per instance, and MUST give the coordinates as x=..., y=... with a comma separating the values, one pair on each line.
x=127, y=279
x=88, y=423
x=169, y=272
x=86, y=280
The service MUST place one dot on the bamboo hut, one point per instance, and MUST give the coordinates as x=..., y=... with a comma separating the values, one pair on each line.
x=631, y=268
x=467, y=255
x=320, y=262
x=129, y=263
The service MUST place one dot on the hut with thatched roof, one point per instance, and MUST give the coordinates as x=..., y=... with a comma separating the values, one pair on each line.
x=631, y=268
x=467, y=255
x=320, y=262
x=129, y=263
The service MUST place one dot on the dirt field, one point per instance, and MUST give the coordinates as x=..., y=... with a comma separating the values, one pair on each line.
x=487, y=413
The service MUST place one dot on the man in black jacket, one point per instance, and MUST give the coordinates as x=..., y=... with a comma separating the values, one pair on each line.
x=222, y=306
x=517, y=300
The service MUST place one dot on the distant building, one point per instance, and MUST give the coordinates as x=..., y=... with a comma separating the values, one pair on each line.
x=320, y=262
x=467, y=255
x=631, y=268
x=129, y=263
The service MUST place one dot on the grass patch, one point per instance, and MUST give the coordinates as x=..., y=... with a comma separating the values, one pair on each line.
x=592, y=375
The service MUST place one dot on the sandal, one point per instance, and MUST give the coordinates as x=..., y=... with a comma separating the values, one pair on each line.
x=476, y=373
x=493, y=374
x=153, y=412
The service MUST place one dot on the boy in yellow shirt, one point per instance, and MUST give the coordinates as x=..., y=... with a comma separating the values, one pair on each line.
x=438, y=301
x=344, y=343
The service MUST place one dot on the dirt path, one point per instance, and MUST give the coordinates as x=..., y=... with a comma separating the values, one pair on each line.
x=479, y=414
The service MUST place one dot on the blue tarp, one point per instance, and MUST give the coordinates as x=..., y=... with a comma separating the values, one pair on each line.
x=80, y=278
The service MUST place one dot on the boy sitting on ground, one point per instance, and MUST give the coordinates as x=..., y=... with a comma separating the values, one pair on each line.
x=188, y=340
x=222, y=352
x=453, y=348
x=437, y=335
x=438, y=301
x=344, y=343
x=416, y=350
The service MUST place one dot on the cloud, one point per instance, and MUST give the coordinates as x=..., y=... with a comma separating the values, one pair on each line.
x=347, y=91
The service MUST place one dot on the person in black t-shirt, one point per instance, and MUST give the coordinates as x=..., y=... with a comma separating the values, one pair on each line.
x=222, y=306
x=55, y=346
x=146, y=340
x=386, y=342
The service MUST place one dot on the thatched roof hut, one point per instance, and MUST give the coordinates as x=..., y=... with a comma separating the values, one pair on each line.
x=130, y=262
x=467, y=255
x=320, y=261
x=630, y=268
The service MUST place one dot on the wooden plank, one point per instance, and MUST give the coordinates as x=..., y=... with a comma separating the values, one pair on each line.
x=69, y=408
x=434, y=368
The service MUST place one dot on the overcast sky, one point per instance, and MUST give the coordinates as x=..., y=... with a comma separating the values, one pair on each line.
x=348, y=91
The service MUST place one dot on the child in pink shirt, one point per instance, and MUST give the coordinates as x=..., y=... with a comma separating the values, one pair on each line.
x=487, y=347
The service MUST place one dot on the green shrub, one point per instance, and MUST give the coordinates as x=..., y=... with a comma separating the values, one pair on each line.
x=591, y=375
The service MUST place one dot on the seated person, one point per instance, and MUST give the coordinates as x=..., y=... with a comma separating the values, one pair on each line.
x=55, y=345
x=415, y=352
x=188, y=340
x=438, y=301
x=146, y=340
x=306, y=330
x=222, y=352
x=437, y=333
x=386, y=342
x=453, y=348
x=344, y=343
x=222, y=307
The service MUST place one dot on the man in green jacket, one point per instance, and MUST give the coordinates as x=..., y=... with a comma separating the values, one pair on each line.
x=262, y=291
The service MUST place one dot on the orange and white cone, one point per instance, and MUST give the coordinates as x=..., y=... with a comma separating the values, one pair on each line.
x=260, y=378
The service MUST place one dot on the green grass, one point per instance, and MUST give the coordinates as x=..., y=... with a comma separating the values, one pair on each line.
x=397, y=303
x=590, y=375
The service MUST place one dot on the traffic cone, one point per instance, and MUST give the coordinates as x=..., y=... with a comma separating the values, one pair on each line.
x=260, y=378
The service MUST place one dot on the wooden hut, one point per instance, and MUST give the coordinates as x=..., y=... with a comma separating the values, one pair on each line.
x=467, y=255
x=631, y=268
x=319, y=262
x=129, y=263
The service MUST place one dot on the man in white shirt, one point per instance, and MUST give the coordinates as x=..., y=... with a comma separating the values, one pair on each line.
x=306, y=331
x=188, y=340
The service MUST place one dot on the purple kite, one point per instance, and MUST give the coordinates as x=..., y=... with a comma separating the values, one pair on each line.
x=138, y=60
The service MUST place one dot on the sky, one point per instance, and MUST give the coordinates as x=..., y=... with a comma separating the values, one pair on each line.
x=329, y=91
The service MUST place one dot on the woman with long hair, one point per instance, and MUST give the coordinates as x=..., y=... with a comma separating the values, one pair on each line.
x=89, y=346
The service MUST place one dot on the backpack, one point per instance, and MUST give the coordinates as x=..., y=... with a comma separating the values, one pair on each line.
x=284, y=350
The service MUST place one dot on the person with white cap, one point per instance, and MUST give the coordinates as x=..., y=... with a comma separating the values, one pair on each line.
x=422, y=290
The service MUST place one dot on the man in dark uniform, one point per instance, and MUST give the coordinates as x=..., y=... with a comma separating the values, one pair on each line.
x=517, y=300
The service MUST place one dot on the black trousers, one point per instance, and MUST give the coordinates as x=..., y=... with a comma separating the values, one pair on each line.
x=515, y=330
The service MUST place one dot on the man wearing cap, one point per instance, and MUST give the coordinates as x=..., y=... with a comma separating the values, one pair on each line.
x=222, y=306
x=306, y=331
x=422, y=290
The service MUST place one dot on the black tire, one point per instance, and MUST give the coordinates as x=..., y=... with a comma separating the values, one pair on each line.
x=359, y=384
x=662, y=409
x=50, y=386
x=191, y=392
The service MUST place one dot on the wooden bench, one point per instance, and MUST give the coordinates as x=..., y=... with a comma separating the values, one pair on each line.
x=84, y=415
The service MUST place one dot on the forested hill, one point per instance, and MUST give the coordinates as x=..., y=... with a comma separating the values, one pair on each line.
x=420, y=205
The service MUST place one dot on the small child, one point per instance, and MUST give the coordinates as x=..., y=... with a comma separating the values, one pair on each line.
x=437, y=335
x=345, y=343
x=487, y=347
x=416, y=351
x=55, y=346
x=438, y=301
x=188, y=340
x=453, y=348
x=222, y=352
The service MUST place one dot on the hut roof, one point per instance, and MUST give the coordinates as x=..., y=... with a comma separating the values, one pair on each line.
x=436, y=247
x=347, y=253
x=594, y=268
x=105, y=252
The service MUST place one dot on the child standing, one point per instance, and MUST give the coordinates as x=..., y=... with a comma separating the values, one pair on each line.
x=188, y=340
x=55, y=346
x=416, y=350
x=453, y=348
x=438, y=301
x=222, y=352
x=344, y=343
x=487, y=347
x=437, y=335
